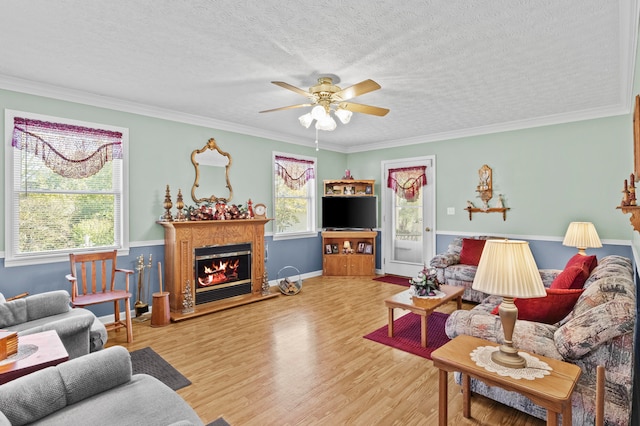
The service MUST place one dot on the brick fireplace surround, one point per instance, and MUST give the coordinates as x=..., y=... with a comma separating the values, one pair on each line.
x=180, y=241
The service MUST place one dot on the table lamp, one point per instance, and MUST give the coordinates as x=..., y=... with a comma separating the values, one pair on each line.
x=582, y=235
x=507, y=269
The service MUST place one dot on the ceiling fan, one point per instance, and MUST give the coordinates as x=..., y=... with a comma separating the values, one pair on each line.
x=326, y=97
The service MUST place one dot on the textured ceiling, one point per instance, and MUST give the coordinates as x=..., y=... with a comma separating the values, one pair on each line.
x=447, y=68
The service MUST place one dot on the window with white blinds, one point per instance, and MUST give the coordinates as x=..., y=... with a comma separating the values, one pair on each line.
x=65, y=188
x=294, y=182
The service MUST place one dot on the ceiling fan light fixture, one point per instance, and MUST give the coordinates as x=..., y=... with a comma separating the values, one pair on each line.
x=318, y=112
x=306, y=120
x=327, y=123
x=344, y=115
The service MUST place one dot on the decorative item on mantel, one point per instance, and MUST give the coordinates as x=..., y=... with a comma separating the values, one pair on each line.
x=347, y=175
x=629, y=202
x=167, y=206
x=180, y=217
x=485, y=193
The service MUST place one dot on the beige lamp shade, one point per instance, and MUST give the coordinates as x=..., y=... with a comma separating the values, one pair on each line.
x=582, y=235
x=507, y=268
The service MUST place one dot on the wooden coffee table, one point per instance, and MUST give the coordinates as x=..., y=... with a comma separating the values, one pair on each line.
x=422, y=307
x=48, y=351
x=552, y=392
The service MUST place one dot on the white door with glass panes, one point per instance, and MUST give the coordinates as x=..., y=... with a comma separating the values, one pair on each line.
x=408, y=215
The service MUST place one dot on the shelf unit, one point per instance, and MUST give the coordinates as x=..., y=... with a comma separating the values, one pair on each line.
x=349, y=187
x=339, y=262
x=502, y=210
x=635, y=215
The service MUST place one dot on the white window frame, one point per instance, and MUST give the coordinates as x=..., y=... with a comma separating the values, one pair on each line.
x=311, y=214
x=11, y=256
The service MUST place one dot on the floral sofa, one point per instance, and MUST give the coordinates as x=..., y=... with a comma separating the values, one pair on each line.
x=599, y=330
x=457, y=266
x=452, y=271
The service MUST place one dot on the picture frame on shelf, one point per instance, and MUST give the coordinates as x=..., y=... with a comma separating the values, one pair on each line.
x=368, y=190
x=328, y=249
x=368, y=248
x=334, y=248
x=360, y=248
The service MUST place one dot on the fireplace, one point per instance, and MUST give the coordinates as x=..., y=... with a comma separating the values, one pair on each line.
x=182, y=238
x=222, y=271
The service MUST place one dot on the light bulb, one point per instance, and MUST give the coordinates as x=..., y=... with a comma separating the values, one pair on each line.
x=344, y=115
x=327, y=123
x=306, y=120
x=318, y=112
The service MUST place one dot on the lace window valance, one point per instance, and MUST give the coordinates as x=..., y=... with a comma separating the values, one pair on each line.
x=295, y=172
x=70, y=151
x=407, y=181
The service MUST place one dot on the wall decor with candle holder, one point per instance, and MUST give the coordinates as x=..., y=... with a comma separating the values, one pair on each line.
x=629, y=202
x=485, y=193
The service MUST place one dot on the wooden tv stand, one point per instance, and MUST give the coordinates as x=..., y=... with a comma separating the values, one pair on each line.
x=360, y=262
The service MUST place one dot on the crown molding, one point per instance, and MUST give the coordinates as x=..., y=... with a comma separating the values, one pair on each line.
x=613, y=110
x=86, y=98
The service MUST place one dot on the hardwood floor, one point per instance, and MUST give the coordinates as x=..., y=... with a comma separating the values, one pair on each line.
x=302, y=360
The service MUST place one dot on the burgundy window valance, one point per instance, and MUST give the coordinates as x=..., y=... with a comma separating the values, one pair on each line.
x=407, y=181
x=70, y=151
x=295, y=172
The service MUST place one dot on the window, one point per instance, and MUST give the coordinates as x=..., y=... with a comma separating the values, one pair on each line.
x=294, y=185
x=65, y=188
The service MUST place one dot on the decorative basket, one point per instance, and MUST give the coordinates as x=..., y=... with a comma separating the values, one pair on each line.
x=289, y=281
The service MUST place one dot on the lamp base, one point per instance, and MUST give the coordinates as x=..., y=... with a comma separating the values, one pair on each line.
x=508, y=357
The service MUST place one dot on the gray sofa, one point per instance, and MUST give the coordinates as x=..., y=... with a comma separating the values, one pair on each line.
x=79, y=329
x=96, y=389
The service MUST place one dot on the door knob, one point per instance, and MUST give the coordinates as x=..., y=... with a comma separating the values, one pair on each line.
x=427, y=229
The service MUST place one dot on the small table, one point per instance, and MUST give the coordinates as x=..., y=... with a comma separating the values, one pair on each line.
x=421, y=306
x=50, y=351
x=552, y=392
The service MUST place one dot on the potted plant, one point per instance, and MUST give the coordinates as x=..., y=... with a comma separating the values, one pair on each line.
x=425, y=283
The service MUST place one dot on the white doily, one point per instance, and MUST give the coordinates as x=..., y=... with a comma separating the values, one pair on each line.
x=535, y=368
x=438, y=294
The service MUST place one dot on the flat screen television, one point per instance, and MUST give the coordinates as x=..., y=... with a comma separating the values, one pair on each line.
x=349, y=212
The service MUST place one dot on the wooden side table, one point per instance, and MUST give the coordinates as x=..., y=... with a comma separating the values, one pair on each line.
x=49, y=351
x=422, y=307
x=552, y=392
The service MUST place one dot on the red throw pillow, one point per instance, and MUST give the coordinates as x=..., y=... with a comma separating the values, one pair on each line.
x=550, y=309
x=572, y=277
x=589, y=261
x=471, y=251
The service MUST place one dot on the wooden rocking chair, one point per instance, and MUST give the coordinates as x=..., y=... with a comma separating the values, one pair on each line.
x=92, y=279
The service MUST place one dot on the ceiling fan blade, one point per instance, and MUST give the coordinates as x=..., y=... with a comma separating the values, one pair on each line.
x=293, y=88
x=358, y=89
x=288, y=107
x=365, y=109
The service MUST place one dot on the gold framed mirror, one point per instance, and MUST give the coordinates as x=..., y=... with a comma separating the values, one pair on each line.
x=214, y=174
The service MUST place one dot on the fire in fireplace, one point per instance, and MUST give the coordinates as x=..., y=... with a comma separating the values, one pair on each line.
x=222, y=271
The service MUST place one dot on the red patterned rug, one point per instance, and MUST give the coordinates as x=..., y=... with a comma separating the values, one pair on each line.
x=406, y=330
x=393, y=279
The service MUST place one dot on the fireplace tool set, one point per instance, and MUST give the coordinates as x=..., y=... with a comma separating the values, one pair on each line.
x=141, y=305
